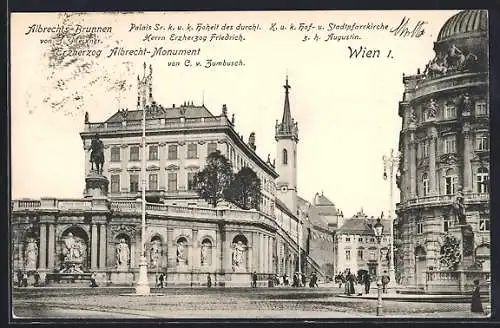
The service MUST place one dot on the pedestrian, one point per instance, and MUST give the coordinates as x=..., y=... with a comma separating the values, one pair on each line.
x=254, y=279
x=303, y=279
x=19, y=278
x=385, y=282
x=25, y=279
x=476, y=305
x=367, y=281
x=37, y=279
x=93, y=282
x=209, y=281
x=161, y=280
x=285, y=280
x=360, y=282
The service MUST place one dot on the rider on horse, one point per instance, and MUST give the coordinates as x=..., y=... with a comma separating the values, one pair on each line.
x=97, y=154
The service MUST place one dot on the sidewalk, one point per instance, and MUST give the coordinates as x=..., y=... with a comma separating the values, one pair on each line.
x=415, y=297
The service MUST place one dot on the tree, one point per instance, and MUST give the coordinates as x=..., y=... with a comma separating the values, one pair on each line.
x=212, y=183
x=450, y=255
x=245, y=189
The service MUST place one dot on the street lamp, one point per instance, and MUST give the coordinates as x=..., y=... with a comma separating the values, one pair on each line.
x=391, y=163
x=378, y=229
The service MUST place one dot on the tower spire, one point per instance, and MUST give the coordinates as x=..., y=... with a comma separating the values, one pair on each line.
x=286, y=121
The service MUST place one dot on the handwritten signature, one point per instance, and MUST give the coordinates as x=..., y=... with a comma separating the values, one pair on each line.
x=404, y=29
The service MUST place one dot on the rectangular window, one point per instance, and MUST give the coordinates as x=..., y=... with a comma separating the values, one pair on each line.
x=373, y=255
x=115, y=154
x=360, y=254
x=153, y=181
x=449, y=145
x=360, y=240
x=481, y=108
x=192, y=151
x=425, y=185
x=450, y=111
x=172, y=152
x=190, y=177
x=347, y=239
x=482, y=143
x=134, y=153
x=115, y=183
x=451, y=184
x=153, y=152
x=134, y=182
x=372, y=240
x=172, y=182
x=211, y=147
x=484, y=223
x=348, y=255
x=420, y=228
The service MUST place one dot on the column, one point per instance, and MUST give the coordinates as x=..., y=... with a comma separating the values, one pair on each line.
x=261, y=253
x=226, y=255
x=432, y=166
x=171, y=255
x=250, y=254
x=93, y=249
x=51, y=248
x=43, y=245
x=217, y=251
x=102, y=247
x=162, y=156
x=413, y=168
x=265, y=253
x=255, y=251
x=271, y=253
x=467, y=172
x=124, y=177
x=132, y=254
x=194, y=261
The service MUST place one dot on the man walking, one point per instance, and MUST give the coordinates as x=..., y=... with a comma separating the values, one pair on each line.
x=367, y=280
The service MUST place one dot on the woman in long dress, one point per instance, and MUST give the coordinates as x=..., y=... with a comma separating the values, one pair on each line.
x=476, y=305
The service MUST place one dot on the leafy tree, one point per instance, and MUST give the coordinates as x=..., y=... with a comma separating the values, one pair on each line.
x=245, y=189
x=212, y=183
x=450, y=255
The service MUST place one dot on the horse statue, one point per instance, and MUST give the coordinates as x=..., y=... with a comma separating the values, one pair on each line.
x=97, y=154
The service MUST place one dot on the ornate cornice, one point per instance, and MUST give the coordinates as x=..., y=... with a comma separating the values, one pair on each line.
x=172, y=167
x=448, y=159
x=153, y=168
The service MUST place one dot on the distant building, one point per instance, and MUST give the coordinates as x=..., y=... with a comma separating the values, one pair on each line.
x=444, y=142
x=356, y=247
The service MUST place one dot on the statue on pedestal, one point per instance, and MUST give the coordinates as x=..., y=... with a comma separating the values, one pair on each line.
x=239, y=249
x=155, y=252
x=73, y=253
x=181, y=255
x=122, y=255
x=31, y=254
x=205, y=253
x=97, y=154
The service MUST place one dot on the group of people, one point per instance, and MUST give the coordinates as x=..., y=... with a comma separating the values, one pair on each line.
x=298, y=280
x=22, y=279
x=360, y=283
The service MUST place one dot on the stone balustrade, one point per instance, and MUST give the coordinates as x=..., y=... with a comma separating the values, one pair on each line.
x=454, y=282
x=157, y=124
x=450, y=81
x=446, y=199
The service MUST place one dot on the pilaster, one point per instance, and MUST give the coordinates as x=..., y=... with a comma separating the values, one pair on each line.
x=43, y=246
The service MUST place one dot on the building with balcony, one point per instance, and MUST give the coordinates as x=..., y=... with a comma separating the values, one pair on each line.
x=356, y=247
x=444, y=143
x=185, y=237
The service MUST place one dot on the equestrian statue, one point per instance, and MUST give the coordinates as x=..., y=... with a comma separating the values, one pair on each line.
x=97, y=154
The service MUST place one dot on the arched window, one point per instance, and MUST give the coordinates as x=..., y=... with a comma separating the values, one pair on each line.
x=482, y=180
x=451, y=179
x=425, y=185
x=285, y=157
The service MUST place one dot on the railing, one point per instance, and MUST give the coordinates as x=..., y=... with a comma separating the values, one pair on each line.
x=158, y=124
x=470, y=197
x=71, y=204
x=28, y=204
x=431, y=85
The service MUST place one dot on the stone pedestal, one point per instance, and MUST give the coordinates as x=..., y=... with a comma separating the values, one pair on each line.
x=96, y=185
x=142, y=284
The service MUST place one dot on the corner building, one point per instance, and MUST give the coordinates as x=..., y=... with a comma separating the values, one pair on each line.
x=185, y=237
x=444, y=142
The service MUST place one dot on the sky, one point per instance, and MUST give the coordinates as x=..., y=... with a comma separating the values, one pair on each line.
x=346, y=108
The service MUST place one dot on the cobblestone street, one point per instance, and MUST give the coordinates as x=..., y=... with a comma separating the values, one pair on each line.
x=217, y=303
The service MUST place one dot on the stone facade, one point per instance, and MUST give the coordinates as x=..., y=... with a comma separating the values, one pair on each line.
x=444, y=143
x=184, y=237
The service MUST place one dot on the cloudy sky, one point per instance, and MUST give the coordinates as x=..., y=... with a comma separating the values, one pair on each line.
x=347, y=108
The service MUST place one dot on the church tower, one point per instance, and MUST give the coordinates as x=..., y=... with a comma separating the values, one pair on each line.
x=287, y=137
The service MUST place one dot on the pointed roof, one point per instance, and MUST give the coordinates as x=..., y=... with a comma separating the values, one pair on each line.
x=286, y=121
x=322, y=200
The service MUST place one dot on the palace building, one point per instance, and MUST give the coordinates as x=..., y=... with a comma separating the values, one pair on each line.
x=444, y=143
x=185, y=237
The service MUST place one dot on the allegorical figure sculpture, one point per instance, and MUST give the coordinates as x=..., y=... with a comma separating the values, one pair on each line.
x=204, y=253
x=238, y=255
x=31, y=254
x=155, y=252
x=122, y=255
x=97, y=154
x=72, y=251
x=181, y=254
x=459, y=209
x=432, y=108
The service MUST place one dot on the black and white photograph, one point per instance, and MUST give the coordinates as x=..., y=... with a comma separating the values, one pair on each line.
x=250, y=165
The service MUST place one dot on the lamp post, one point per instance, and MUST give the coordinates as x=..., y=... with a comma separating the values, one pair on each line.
x=142, y=284
x=391, y=163
x=378, y=229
